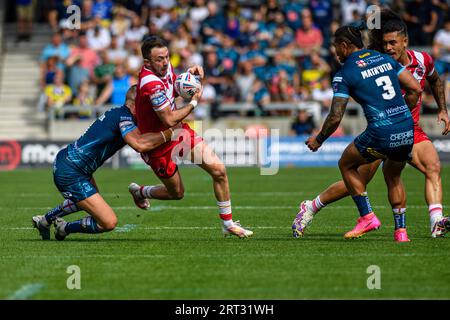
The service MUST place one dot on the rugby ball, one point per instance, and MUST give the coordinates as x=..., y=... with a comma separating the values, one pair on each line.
x=186, y=84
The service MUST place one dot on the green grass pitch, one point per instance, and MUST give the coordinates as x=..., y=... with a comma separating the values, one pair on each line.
x=177, y=251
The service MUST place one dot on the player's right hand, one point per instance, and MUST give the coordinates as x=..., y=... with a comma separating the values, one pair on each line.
x=198, y=94
x=312, y=143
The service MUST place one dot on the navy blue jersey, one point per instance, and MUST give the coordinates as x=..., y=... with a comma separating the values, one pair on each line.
x=101, y=140
x=371, y=79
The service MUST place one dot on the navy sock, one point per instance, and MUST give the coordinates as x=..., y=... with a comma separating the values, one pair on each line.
x=399, y=218
x=363, y=204
x=85, y=225
x=65, y=208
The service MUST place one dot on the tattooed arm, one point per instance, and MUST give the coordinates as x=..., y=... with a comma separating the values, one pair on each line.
x=330, y=125
x=437, y=87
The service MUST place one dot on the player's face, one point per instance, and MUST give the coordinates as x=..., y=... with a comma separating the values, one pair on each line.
x=159, y=61
x=394, y=44
x=340, y=49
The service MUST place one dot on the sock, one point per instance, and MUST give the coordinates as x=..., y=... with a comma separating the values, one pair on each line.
x=65, y=208
x=146, y=191
x=317, y=204
x=363, y=204
x=435, y=211
x=85, y=225
x=225, y=212
x=399, y=218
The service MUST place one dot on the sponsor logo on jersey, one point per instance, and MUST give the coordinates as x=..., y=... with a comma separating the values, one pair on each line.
x=364, y=55
x=361, y=63
x=158, y=98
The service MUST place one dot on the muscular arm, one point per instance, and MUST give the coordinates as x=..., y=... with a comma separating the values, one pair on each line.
x=437, y=87
x=412, y=88
x=172, y=117
x=147, y=141
x=331, y=123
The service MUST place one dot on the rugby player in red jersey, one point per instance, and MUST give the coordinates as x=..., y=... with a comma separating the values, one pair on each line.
x=155, y=110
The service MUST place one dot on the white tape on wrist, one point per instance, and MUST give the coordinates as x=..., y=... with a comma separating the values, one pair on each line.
x=194, y=103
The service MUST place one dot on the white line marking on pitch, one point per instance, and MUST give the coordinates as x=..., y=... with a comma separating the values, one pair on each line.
x=163, y=207
x=26, y=291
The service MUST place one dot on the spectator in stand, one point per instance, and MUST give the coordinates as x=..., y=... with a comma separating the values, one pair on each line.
x=348, y=7
x=116, y=54
x=48, y=72
x=441, y=49
x=137, y=31
x=103, y=9
x=214, y=71
x=98, y=37
x=213, y=25
x=283, y=36
x=87, y=15
x=117, y=88
x=121, y=23
x=25, y=9
x=197, y=14
x=308, y=37
x=245, y=79
x=260, y=96
x=88, y=57
x=85, y=99
x=228, y=55
x=77, y=74
x=421, y=19
x=174, y=21
x=292, y=11
x=134, y=60
x=57, y=94
x=57, y=48
x=159, y=17
x=314, y=68
x=103, y=73
x=230, y=90
x=232, y=23
x=322, y=14
x=303, y=124
x=323, y=95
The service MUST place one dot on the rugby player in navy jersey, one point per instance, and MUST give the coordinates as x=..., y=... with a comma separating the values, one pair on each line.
x=75, y=165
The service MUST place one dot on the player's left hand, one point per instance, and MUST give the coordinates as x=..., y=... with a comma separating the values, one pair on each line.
x=443, y=117
x=197, y=70
x=312, y=143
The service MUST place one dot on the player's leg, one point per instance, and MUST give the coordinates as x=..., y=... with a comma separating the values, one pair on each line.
x=101, y=218
x=426, y=159
x=333, y=193
x=208, y=160
x=397, y=197
x=349, y=163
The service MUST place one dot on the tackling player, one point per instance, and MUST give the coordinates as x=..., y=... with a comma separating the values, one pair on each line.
x=156, y=111
x=373, y=80
x=74, y=166
x=394, y=39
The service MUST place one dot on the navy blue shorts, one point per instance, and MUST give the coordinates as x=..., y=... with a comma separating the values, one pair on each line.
x=70, y=181
x=386, y=143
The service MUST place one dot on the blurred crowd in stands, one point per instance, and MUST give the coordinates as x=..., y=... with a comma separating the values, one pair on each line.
x=258, y=52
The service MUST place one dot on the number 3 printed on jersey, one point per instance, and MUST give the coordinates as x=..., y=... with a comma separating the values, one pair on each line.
x=386, y=83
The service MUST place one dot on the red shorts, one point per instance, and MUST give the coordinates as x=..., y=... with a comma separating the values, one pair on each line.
x=419, y=135
x=163, y=163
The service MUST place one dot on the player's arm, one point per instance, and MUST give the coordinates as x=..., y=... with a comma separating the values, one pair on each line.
x=171, y=118
x=411, y=86
x=147, y=141
x=437, y=87
x=334, y=118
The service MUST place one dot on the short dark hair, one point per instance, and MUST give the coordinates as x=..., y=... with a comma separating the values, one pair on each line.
x=131, y=95
x=376, y=35
x=350, y=35
x=151, y=42
x=394, y=26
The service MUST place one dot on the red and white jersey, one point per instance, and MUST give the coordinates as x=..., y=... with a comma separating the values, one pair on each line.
x=154, y=94
x=421, y=67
